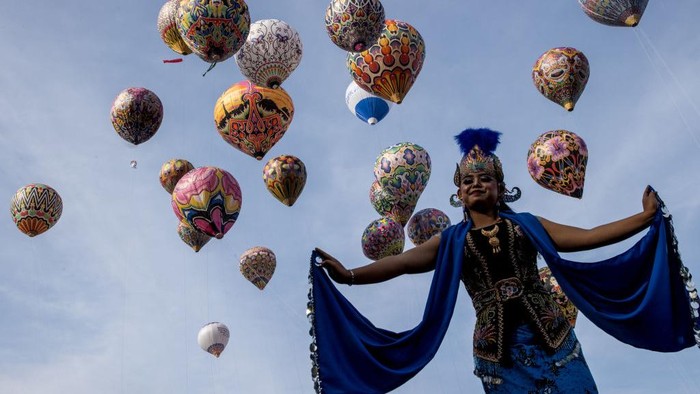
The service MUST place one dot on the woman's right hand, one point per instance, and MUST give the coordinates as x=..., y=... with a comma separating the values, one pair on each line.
x=335, y=268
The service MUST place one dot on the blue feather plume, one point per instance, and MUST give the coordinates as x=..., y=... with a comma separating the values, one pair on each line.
x=487, y=140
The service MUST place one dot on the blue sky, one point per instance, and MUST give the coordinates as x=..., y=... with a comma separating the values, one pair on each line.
x=110, y=300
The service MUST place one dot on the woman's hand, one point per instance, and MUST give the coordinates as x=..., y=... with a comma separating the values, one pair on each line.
x=335, y=269
x=650, y=202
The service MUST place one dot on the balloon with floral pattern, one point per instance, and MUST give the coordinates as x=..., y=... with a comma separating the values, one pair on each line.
x=557, y=161
x=136, y=114
x=354, y=25
x=383, y=237
x=552, y=286
x=36, y=208
x=382, y=201
x=194, y=238
x=425, y=224
x=167, y=27
x=285, y=177
x=561, y=74
x=171, y=171
x=257, y=265
x=615, y=12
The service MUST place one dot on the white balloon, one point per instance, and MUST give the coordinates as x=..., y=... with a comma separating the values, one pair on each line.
x=213, y=338
x=365, y=105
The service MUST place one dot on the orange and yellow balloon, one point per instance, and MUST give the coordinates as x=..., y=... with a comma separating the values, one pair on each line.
x=171, y=171
x=167, y=27
x=285, y=177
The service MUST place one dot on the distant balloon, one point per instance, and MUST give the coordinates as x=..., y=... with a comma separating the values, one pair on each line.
x=557, y=161
x=258, y=265
x=615, y=12
x=194, y=238
x=213, y=338
x=285, y=177
x=551, y=284
x=133, y=164
x=209, y=199
x=167, y=27
x=425, y=224
x=36, y=208
x=390, y=66
x=365, y=105
x=136, y=114
x=171, y=171
x=270, y=54
x=354, y=25
x=561, y=74
x=213, y=29
x=253, y=118
x=383, y=237
x=382, y=201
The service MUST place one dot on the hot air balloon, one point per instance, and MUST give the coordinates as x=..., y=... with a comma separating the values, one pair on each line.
x=171, y=171
x=403, y=171
x=382, y=201
x=383, y=237
x=390, y=66
x=194, y=238
x=561, y=74
x=615, y=12
x=557, y=161
x=425, y=224
x=354, y=25
x=271, y=52
x=209, y=199
x=167, y=27
x=213, y=29
x=365, y=105
x=213, y=338
x=136, y=114
x=258, y=265
x=285, y=177
x=36, y=208
x=551, y=284
x=253, y=118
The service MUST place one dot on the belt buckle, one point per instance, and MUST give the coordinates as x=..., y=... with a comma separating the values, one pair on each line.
x=507, y=289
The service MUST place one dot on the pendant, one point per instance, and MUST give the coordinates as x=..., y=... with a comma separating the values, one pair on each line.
x=493, y=240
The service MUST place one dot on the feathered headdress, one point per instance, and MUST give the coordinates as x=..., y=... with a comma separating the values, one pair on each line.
x=478, y=146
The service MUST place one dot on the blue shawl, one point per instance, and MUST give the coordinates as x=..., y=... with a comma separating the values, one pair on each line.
x=637, y=297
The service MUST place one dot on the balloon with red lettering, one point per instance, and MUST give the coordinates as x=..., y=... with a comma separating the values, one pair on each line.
x=285, y=177
x=209, y=199
x=213, y=338
x=366, y=106
x=551, y=284
x=615, y=12
x=425, y=224
x=354, y=25
x=560, y=75
x=194, y=238
x=253, y=118
x=36, y=208
x=383, y=237
x=171, y=171
x=557, y=161
x=257, y=265
x=167, y=27
x=389, y=67
x=136, y=114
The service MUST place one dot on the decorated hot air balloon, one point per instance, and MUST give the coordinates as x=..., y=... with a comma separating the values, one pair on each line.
x=136, y=114
x=615, y=12
x=171, y=171
x=209, y=199
x=383, y=237
x=390, y=66
x=551, y=284
x=561, y=74
x=167, y=27
x=253, y=118
x=285, y=177
x=194, y=238
x=354, y=25
x=557, y=161
x=213, y=29
x=213, y=338
x=403, y=171
x=36, y=208
x=272, y=51
x=365, y=105
x=382, y=201
x=425, y=224
x=258, y=265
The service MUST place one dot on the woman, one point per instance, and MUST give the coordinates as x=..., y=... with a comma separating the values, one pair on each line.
x=522, y=340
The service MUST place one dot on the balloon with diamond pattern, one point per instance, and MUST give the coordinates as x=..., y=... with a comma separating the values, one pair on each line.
x=36, y=208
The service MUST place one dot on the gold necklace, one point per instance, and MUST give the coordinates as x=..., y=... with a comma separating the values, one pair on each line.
x=493, y=241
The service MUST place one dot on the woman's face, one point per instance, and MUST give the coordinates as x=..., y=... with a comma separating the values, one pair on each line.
x=479, y=191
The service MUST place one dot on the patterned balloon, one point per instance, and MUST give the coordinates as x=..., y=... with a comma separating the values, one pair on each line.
x=551, y=284
x=171, y=171
x=136, y=114
x=213, y=338
x=285, y=177
x=191, y=236
x=35, y=208
x=365, y=105
x=258, y=265
x=382, y=201
x=403, y=171
x=383, y=237
x=209, y=199
x=425, y=224
x=167, y=27
x=561, y=74
x=390, y=66
x=557, y=161
x=253, y=118
x=354, y=25
x=272, y=51
x=615, y=12
x=213, y=29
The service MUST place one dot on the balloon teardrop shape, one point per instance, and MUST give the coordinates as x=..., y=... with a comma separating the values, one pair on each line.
x=560, y=75
x=213, y=338
x=557, y=161
x=285, y=177
x=257, y=265
x=626, y=13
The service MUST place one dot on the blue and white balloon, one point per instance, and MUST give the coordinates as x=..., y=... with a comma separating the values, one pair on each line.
x=365, y=105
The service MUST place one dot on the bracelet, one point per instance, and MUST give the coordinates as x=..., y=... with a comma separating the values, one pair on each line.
x=352, y=278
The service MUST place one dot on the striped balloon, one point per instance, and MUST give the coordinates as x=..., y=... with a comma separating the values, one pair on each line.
x=615, y=12
x=365, y=105
x=36, y=208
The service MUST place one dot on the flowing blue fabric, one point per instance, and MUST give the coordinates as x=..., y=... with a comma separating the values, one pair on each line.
x=637, y=297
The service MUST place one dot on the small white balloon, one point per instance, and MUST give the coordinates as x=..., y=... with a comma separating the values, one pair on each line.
x=213, y=338
x=133, y=164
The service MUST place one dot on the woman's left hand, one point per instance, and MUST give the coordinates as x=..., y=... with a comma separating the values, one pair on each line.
x=650, y=201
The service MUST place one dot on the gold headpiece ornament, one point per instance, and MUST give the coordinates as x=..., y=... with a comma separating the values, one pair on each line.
x=478, y=146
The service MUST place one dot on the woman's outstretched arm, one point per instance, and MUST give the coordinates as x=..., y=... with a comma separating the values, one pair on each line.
x=413, y=261
x=574, y=239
